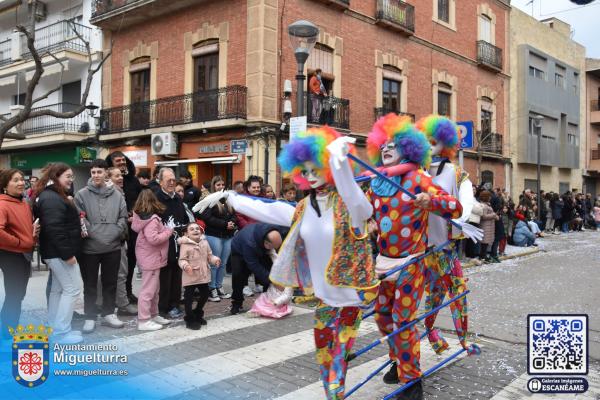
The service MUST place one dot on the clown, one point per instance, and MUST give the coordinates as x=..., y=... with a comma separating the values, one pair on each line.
x=444, y=272
x=401, y=152
x=327, y=249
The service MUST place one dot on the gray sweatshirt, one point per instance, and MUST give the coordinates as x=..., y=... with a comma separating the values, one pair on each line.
x=106, y=218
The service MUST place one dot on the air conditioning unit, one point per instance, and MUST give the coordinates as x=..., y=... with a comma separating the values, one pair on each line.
x=164, y=143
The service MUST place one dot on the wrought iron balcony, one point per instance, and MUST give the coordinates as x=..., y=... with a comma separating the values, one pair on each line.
x=489, y=55
x=396, y=15
x=209, y=105
x=59, y=36
x=490, y=142
x=5, y=53
x=49, y=124
x=329, y=110
x=381, y=111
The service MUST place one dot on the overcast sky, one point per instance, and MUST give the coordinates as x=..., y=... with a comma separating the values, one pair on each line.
x=584, y=21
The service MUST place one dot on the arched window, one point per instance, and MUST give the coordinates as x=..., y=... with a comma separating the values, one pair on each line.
x=444, y=99
x=391, y=89
x=485, y=28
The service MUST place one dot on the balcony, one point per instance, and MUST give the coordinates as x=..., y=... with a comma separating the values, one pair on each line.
x=489, y=56
x=396, y=15
x=59, y=36
x=595, y=112
x=210, y=105
x=115, y=14
x=381, y=111
x=330, y=110
x=340, y=4
x=490, y=142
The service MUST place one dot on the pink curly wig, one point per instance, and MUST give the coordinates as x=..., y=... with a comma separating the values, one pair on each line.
x=308, y=146
x=412, y=145
x=442, y=130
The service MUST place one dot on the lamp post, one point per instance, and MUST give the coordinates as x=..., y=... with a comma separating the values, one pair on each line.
x=303, y=36
x=538, y=124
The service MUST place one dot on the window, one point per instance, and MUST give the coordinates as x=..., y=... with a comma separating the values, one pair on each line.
x=321, y=57
x=206, y=82
x=572, y=139
x=391, y=95
x=444, y=98
x=139, y=114
x=487, y=177
x=443, y=10
x=71, y=95
x=531, y=184
x=537, y=66
x=563, y=187
x=485, y=28
x=576, y=84
x=18, y=99
x=573, y=135
x=206, y=72
x=559, y=76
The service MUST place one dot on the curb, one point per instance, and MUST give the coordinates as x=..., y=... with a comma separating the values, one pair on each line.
x=535, y=250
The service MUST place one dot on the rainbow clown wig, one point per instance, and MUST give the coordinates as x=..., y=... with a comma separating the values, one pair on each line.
x=442, y=130
x=412, y=145
x=308, y=146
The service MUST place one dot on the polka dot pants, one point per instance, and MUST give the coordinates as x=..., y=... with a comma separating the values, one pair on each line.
x=397, y=305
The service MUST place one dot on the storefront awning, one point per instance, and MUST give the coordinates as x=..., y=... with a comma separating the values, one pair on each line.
x=213, y=160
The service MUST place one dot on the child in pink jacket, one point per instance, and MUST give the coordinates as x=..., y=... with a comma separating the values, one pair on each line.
x=194, y=258
x=151, y=250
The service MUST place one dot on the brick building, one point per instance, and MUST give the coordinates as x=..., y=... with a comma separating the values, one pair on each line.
x=213, y=71
x=592, y=105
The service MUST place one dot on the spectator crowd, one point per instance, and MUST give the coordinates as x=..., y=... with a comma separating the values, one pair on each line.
x=94, y=238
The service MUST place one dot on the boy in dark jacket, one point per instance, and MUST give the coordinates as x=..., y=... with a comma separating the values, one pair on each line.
x=252, y=252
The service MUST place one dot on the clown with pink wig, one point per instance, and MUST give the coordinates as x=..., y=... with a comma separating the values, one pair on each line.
x=444, y=272
x=402, y=153
x=327, y=251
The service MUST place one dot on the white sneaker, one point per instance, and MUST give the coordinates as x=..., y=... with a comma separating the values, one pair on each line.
x=149, y=326
x=214, y=296
x=89, y=326
x=247, y=291
x=258, y=288
x=160, y=320
x=113, y=321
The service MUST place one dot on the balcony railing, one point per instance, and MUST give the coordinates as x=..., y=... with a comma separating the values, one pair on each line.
x=381, y=111
x=595, y=105
x=595, y=154
x=490, y=142
x=209, y=105
x=100, y=7
x=59, y=36
x=5, y=53
x=329, y=110
x=396, y=14
x=342, y=4
x=49, y=124
x=489, y=55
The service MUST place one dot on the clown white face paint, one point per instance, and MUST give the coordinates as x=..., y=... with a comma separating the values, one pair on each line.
x=389, y=154
x=313, y=175
x=436, y=149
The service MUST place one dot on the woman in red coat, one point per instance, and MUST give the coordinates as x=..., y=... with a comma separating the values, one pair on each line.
x=17, y=238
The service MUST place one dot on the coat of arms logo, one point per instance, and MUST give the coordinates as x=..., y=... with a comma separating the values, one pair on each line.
x=30, y=354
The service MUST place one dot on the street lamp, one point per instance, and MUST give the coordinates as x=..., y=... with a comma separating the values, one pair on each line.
x=538, y=120
x=303, y=36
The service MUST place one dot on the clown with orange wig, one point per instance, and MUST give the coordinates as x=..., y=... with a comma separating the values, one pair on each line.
x=327, y=250
x=444, y=273
x=402, y=152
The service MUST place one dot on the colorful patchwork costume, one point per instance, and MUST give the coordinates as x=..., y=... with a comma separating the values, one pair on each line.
x=327, y=250
x=403, y=235
x=444, y=271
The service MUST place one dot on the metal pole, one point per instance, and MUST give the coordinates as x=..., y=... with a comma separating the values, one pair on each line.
x=300, y=90
x=539, y=180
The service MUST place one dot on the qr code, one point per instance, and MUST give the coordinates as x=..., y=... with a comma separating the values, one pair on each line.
x=557, y=344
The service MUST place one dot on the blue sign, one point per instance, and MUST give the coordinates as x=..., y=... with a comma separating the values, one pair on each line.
x=466, y=134
x=238, y=146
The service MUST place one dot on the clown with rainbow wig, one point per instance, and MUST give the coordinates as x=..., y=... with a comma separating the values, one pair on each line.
x=327, y=251
x=402, y=152
x=444, y=272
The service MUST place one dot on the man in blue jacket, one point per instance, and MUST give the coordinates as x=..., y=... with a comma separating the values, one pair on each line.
x=253, y=250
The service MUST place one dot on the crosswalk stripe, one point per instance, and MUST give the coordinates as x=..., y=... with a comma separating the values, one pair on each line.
x=129, y=345
x=358, y=373
x=204, y=371
x=517, y=389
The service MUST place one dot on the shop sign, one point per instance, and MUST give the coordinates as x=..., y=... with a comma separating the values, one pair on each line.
x=239, y=146
x=139, y=157
x=213, y=148
x=85, y=155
